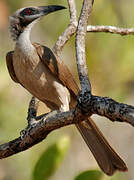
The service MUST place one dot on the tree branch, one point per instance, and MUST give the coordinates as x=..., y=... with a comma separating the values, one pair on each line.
x=113, y=110
x=111, y=29
x=107, y=107
x=80, y=45
x=40, y=130
x=46, y=123
x=87, y=103
x=69, y=31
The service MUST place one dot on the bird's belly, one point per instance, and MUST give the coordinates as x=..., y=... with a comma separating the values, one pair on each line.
x=40, y=82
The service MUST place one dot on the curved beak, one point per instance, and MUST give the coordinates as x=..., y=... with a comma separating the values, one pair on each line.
x=44, y=10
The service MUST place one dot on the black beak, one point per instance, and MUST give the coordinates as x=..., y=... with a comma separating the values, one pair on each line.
x=44, y=10
x=36, y=13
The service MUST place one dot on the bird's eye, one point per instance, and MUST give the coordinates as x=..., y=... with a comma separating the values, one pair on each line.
x=28, y=12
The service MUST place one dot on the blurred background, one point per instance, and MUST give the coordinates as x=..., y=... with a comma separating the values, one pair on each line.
x=110, y=60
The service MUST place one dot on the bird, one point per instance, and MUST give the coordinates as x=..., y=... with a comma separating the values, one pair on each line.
x=38, y=69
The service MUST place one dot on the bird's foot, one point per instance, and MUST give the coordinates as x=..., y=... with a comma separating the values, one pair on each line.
x=25, y=131
x=32, y=122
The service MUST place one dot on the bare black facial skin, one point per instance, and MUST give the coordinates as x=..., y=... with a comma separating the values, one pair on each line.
x=29, y=11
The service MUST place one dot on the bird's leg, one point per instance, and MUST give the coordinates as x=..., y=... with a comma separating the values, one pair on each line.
x=31, y=118
x=32, y=111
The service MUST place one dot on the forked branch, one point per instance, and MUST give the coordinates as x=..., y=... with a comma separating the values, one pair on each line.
x=87, y=103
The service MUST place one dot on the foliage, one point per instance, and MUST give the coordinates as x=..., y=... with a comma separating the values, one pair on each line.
x=50, y=160
x=91, y=174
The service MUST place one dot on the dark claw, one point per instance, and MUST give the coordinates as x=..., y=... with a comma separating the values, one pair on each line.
x=25, y=131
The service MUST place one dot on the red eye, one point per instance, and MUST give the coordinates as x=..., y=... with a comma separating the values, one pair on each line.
x=29, y=12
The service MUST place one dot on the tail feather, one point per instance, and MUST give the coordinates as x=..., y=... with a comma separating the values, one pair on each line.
x=108, y=160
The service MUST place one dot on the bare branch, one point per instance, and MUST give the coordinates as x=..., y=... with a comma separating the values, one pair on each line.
x=98, y=105
x=113, y=110
x=80, y=45
x=69, y=31
x=111, y=29
x=39, y=131
x=87, y=103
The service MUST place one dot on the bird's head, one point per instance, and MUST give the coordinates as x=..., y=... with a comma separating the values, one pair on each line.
x=26, y=17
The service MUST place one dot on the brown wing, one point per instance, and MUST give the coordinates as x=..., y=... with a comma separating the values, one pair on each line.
x=57, y=67
x=9, y=61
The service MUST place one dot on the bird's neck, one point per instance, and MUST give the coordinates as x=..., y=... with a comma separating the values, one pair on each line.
x=23, y=42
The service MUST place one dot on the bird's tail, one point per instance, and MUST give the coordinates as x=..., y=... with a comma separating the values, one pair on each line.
x=108, y=160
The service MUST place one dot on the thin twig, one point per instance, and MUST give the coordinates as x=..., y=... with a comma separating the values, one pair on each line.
x=80, y=46
x=111, y=29
x=69, y=31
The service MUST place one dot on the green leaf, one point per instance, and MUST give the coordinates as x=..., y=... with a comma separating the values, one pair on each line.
x=89, y=175
x=50, y=160
x=118, y=176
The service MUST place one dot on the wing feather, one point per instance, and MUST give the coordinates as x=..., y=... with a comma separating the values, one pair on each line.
x=57, y=67
x=9, y=62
